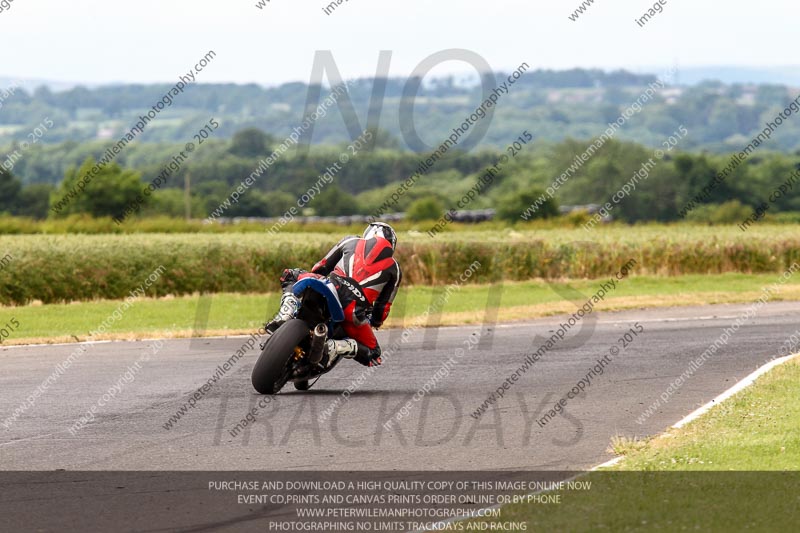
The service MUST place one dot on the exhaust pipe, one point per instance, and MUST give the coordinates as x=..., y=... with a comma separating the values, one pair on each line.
x=318, y=338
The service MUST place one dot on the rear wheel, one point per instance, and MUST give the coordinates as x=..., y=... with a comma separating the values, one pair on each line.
x=271, y=371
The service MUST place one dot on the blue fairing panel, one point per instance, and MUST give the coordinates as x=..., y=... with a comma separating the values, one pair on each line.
x=326, y=289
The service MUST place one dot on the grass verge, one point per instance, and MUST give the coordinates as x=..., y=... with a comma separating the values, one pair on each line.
x=735, y=468
x=231, y=314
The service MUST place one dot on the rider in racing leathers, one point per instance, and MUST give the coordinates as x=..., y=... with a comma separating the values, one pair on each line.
x=366, y=277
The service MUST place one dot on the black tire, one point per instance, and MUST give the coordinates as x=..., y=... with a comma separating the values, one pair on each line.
x=302, y=385
x=270, y=371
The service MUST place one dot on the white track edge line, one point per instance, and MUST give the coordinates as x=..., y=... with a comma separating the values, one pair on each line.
x=608, y=464
x=740, y=385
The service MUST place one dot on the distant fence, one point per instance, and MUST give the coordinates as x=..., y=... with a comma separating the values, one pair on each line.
x=468, y=217
x=481, y=215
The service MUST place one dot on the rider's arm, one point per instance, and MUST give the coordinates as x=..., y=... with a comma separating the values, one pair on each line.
x=328, y=263
x=383, y=303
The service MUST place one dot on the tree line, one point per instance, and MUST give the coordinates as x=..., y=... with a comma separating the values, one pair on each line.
x=219, y=166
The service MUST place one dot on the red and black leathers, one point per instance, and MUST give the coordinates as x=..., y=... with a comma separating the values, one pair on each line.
x=371, y=265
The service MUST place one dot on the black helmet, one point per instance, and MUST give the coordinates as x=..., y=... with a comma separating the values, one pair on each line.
x=381, y=229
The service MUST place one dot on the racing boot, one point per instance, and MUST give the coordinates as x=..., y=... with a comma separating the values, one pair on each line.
x=289, y=306
x=347, y=348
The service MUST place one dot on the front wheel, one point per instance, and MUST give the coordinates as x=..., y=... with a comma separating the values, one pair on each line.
x=272, y=368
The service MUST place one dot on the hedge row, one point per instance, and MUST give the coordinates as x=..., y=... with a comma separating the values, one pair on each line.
x=86, y=267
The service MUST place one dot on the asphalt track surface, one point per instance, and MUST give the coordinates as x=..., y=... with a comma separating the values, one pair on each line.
x=438, y=433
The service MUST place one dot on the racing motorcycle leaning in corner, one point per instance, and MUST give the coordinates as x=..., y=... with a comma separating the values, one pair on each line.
x=328, y=314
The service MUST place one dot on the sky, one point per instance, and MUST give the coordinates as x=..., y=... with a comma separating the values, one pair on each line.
x=106, y=41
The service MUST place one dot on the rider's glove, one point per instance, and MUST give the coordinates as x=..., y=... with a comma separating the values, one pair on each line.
x=290, y=276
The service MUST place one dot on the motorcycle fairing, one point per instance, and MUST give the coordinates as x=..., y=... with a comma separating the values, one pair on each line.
x=327, y=290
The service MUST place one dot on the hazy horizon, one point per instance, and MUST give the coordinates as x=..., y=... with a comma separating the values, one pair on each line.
x=785, y=75
x=150, y=42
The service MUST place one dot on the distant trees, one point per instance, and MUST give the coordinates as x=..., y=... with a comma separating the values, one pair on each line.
x=9, y=191
x=383, y=139
x=251, y=142
x=732, y=212
x=107, y=194
x=425, y=209
x=34, y=201
x=371, y=178
x=511, y=206
x=17, y=200
x=333, y=201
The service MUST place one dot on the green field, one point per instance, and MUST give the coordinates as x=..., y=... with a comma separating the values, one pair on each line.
x=755, y=430
x=63, y=268
x=735, y=468
x=244, y=313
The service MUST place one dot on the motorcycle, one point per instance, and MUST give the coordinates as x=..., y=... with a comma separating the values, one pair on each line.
x=296, y=351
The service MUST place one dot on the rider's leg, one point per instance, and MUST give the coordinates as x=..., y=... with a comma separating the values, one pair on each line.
x=360, y=342
x=360, y=345
x=289, y=302
x=289, y=306
x=341, y=348
x=368, y=351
